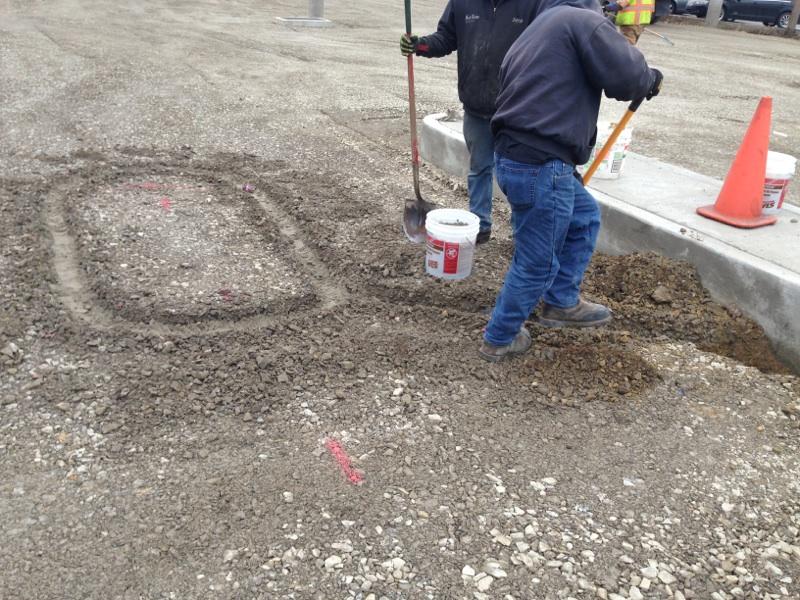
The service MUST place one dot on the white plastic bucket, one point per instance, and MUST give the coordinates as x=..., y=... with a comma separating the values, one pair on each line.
x=611, y=166
x=451, y=242
x=780, y=170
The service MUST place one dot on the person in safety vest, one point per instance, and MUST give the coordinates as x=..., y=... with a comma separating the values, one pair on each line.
x=551, y=83
x=632, y=16
x=481, y=31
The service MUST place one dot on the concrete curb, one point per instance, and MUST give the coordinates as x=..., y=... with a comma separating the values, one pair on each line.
x=765, y=285
x=443, y=146
x=304, y=22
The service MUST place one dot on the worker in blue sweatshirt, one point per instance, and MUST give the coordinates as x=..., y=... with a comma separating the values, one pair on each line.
x=551, y=82
x=481, y=31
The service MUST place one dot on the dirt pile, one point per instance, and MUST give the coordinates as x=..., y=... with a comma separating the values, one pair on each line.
x=656, y=297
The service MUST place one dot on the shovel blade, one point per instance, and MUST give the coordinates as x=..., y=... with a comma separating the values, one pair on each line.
x=414, y=215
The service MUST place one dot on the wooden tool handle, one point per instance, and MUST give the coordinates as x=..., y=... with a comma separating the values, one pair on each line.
x=612, y=139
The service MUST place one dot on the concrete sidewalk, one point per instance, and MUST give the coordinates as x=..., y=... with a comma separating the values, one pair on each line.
x=652, y=208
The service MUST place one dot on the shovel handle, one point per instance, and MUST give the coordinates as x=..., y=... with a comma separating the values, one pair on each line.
x=612, y=139
x=412, y=116
x=412, y=109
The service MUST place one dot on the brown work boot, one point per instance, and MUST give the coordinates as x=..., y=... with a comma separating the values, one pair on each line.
x=518, y=345
x=583, y=314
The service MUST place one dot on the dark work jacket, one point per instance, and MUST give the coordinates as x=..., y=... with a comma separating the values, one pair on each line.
x=552, y=79
x=481, y=31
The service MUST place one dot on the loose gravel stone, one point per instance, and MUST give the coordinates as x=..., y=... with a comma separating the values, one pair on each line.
x=666, y=577
x=483, y=583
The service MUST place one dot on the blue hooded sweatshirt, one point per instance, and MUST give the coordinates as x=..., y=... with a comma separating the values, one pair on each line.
x=482, y=31
x=552, y=79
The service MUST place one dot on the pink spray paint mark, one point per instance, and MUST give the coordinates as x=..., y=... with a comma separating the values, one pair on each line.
x=336, y=450
x=227, y=295
x=249, y=188
x=166, y=204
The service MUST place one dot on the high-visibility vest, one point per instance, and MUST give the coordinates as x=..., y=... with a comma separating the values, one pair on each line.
x=637, y=13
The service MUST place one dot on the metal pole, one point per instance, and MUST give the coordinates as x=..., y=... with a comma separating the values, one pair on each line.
x=316, y=9
x=713, y=13
x=793, y=18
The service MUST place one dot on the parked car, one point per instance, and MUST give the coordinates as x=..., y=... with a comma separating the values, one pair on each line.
x=667, y=7
x=769, y=12
x=677, y=7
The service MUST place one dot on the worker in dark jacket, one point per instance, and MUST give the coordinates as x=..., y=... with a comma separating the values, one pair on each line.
x=551, y=83
x=481, y=31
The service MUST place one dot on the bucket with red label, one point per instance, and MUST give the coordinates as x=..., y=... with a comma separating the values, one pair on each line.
x=451, y=242
x=780, y=170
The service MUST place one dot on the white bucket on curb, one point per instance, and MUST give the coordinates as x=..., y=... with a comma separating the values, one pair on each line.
x=451, y=242
x=611, y=167
x=780, y=170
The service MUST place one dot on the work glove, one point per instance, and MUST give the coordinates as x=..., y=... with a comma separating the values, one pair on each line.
x=656, y=87
x=412, y=44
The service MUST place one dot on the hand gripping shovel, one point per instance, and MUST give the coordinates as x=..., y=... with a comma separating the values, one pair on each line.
x=416, y=209
x=612, y=139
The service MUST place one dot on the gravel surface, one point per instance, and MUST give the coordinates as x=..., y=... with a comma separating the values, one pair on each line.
x=321, y=427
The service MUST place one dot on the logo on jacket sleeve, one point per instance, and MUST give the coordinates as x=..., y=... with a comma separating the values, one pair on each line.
x=471, y=18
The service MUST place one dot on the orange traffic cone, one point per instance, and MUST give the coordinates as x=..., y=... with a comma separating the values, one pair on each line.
x=740, y=199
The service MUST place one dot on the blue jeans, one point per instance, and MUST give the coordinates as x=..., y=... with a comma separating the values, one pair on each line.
x=555, y=222
x=480, y=143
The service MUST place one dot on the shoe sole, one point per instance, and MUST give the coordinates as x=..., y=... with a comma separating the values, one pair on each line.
x=554, y=323
x=491, y=357
x=494, y=358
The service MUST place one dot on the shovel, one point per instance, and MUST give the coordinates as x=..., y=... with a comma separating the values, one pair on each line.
x=416, y=209
x=612, y=139
x=658, y=35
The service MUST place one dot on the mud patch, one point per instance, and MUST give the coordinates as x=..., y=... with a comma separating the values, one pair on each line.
x=396, y=273
x=25, y=277
x=651, y=296
x=174, y=241
x=177, y=248
x=382, y=313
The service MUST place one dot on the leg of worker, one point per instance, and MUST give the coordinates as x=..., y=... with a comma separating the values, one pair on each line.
x=577, y=250
x=478, y=135
x=631, y=33
x=541, y=199
x=625, y=31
